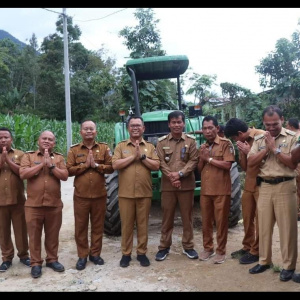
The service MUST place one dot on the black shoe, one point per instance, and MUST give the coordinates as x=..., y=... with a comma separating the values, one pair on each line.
x=143, y=259
x=286, y=275
x=80, y=265
x=5, y=265
x=25, y=261
x=248, y=258
x=190, y=253
x=239, y=253
x=97, y=260
x=124, y=262
x=162, y=254
x=36, y=271
x=259, y=269
x=296, y=277
x=56, y=266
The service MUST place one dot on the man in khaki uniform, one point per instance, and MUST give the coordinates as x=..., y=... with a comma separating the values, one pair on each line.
x=178, y=158
x=134, y=159
x=244, y=136
x=277, y=200
x=89, y=161
x=215, y=159
x=44, y=169
x=12, y=199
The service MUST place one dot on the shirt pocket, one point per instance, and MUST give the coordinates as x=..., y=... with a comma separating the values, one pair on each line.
x=80, y=160
x=168, y=155
x=99, y=158
x=217, y=154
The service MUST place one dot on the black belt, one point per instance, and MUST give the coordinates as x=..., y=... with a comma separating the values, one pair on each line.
x=276, y=180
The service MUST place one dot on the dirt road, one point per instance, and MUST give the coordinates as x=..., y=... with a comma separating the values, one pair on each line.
x=176, y=273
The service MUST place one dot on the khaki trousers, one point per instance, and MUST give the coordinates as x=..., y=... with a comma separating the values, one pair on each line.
x=85, y=210
x=13, y=215
x=250, y=221
x=49, y=219
x=169, y=201
x=215, y=208
x=278, y=203
x=134, y=211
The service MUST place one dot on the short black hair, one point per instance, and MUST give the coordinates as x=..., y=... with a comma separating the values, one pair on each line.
x=221, y=128
x=6, y=129
x=294, y=122
x=271, y=110
x=210, y=118
x=134, y=117
x=176, y=114
x=233, y=126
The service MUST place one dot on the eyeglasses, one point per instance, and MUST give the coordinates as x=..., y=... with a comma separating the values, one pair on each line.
x=135, y=125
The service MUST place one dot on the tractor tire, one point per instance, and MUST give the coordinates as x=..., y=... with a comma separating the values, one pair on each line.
x=112, y=223
x=235, y=205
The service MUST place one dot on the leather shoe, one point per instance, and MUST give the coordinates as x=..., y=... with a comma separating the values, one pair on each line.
x=97, y=260
x=296, y=277
x=124, y=262
x=259, y=269
x=25, y=261
x=80, y=265
x=56, y=266
x=36, y=271
x=286, y=275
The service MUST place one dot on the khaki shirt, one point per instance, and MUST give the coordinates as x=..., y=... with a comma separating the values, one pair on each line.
x=271, y=166
x=43, y=189
x=135, y=180
x=89, y=182
x=11, y=185
x=217, y=181
x=178, y=156
x=251, y=172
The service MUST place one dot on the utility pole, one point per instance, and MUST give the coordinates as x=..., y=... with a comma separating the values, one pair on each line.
x=67, y=83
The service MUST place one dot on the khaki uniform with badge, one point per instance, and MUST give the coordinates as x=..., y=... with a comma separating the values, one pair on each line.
x=135, y=194
x=89, y=195
x=12, y=200
x=43, y=198
x=216, y=195
x=177, y=156
x=277, y=201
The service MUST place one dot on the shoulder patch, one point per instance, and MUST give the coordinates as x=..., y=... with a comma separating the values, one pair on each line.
x=58, y=153
x=257, y=137
x=191, y=136
x=162, y=138
x=290, y=132
x=102, y=143
x=74, y=145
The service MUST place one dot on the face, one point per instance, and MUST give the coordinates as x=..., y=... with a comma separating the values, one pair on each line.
x=88, y=130
x=210, y=131
x=5, y=140
x=136, y=128
x=176, y=125
x=240, y=137
x=273, y=124
x=46, y=141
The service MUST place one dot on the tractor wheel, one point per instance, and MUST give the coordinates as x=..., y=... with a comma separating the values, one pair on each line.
x=112, y=224
x=235, y=205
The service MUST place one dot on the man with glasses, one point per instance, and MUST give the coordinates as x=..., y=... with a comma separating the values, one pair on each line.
x=277, y=202
x=135, y=158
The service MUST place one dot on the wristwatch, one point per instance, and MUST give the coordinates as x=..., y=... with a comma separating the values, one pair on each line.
x=96, y=165
x=277, y=151
x=143, y=156
x=52, y=167
x=180, y=174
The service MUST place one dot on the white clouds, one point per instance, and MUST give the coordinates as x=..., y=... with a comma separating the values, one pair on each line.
x=228, y=42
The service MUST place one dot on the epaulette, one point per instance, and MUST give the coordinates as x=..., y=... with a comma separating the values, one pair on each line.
x=31, y=151
x=257, y=137
x=224, y=139
x=290, y=132
x=162, y=138
x=102, y=143
x=74, y=145
x=191, y=136
x=58, y=153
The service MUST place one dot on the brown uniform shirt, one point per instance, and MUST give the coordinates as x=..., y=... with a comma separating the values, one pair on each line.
x=217, y=181
x=178, y=156
x=43, y=189
x=271, y=166
x=251, y=172
x=135, y=180
x=11, y=185
x=89, y=182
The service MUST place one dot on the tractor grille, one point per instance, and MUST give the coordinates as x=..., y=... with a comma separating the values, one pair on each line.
x=154, y=130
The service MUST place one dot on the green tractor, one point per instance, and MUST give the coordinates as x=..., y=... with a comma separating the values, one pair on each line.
x=156, y=124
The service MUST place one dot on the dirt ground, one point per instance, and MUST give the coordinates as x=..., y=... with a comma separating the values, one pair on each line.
x=176, y=274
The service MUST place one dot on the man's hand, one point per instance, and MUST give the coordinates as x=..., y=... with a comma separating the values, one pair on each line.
x=47, y=159
x=204, y=153
x=243, y=147
x=270, y=141
x=138, y=151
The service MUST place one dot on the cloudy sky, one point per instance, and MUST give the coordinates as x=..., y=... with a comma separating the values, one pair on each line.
x=227, y=42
